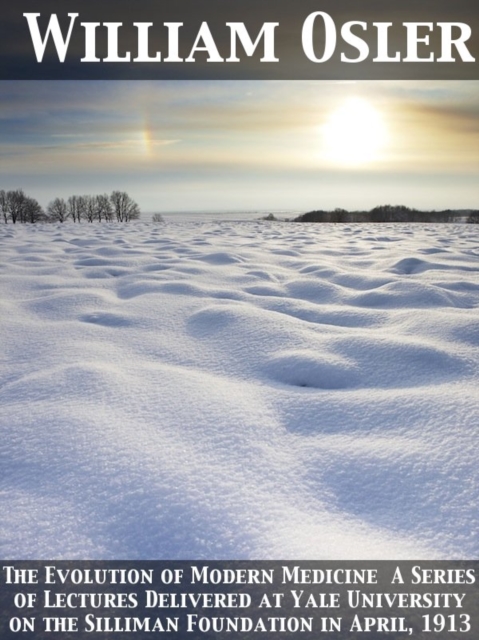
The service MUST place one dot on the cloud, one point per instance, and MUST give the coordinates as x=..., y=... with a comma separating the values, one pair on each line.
x=108, y=145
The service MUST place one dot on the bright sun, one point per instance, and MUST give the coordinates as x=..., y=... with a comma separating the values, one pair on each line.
x=355, y=133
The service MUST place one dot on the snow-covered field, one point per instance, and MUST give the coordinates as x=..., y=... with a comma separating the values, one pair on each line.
x=239, y=390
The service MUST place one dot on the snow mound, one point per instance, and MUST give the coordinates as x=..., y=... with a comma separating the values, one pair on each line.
x=303, y=369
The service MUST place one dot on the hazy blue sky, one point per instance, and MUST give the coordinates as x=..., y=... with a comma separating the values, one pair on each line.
x=244, y=145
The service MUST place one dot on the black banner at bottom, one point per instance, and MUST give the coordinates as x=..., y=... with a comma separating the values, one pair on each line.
x=233, y=599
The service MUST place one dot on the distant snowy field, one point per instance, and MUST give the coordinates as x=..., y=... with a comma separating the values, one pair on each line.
x=239, y=390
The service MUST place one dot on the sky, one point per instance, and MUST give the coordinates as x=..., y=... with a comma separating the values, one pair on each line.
x=244, y=145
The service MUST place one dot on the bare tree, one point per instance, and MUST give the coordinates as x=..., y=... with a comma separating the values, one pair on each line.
x=90, y=208
x=3, y=205
x=17, y=207
x=82, y=206
x=58, y=210
x=15, y=204
x=75, y=209
x=124, y=207
x=157, y=217
x=104, y=208
x=32, y=211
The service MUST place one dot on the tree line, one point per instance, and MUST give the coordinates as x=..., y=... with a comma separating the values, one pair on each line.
x=17, y=207
x=386, y=213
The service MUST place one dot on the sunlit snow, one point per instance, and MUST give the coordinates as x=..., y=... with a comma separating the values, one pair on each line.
x=239, y=390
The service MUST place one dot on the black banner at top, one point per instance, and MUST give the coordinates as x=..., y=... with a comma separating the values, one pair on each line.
x=240, y=39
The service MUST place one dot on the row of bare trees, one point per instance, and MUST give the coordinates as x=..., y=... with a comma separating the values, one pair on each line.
x=382, y=213
x=16, y=206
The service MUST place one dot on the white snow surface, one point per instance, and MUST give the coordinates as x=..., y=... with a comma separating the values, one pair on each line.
x=239, y=390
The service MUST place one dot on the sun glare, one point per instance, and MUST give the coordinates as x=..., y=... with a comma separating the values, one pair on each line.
x=355, y=134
